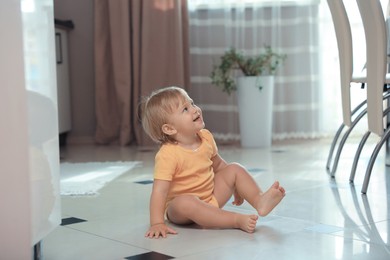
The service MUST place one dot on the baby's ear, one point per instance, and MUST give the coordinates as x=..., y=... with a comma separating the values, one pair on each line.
x=168, y=129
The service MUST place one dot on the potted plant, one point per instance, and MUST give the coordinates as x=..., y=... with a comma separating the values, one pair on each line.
x=223, y=75
x=252, y=78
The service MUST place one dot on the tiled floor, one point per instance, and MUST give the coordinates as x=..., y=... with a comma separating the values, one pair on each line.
x=319, y=218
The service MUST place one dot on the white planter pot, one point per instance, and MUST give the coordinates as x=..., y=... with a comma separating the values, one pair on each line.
x=255, y=110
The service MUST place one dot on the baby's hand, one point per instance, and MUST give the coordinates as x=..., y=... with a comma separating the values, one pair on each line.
x=238, y=200
x=160, y=229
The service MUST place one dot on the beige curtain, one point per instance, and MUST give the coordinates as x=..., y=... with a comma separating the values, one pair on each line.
x=139, y=46
x=289, y=27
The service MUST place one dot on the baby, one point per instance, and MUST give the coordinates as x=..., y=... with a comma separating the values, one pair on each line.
x=192, y=182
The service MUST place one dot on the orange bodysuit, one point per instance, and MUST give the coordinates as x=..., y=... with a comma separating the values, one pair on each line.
x=189, y=171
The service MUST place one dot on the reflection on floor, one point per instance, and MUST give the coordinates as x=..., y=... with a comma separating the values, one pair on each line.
x=320, y=218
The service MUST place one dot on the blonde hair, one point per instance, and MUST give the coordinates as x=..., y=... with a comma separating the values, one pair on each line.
x=157, y=107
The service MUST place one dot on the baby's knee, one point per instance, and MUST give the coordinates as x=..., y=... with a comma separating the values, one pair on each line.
x=184, y=203
x=236, y=167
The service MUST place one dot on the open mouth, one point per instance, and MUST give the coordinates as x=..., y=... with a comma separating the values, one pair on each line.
x=197, y=118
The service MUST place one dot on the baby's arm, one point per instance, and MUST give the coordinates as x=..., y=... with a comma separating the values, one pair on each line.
x=157, y=207
x=218, y=163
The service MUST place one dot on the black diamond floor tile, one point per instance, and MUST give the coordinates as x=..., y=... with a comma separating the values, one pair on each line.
x=144, y=182
x=71, y=220
x=149, y=256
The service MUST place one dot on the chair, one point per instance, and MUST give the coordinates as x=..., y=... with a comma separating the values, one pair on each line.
x=350, y=118
x=345, y=48
x=376, y=43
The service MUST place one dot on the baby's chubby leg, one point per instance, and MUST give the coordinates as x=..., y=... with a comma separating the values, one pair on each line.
x=188, y=209
x=235, y=177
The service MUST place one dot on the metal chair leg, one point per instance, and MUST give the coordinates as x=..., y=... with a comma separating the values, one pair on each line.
x=332, y=170
x=343, y=140
x=357, y=155
x=336, y=138
x=371, y=162
x=374, y=155
x=333, y=145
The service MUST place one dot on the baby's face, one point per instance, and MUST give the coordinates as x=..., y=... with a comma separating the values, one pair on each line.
x=187, y=118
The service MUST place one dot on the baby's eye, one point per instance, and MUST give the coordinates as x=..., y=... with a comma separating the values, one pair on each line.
x=185, y=109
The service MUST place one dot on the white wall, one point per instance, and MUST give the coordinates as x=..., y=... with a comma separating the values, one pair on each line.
x=15, y=232
x=29, y=150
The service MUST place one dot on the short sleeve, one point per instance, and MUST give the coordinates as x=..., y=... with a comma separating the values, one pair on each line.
x=206, y=134
x=165, y=164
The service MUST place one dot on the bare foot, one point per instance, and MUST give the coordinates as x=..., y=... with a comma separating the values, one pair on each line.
x=269, y=199
x=246, y=223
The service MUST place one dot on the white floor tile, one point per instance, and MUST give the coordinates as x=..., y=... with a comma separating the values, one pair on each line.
x=66, y=243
